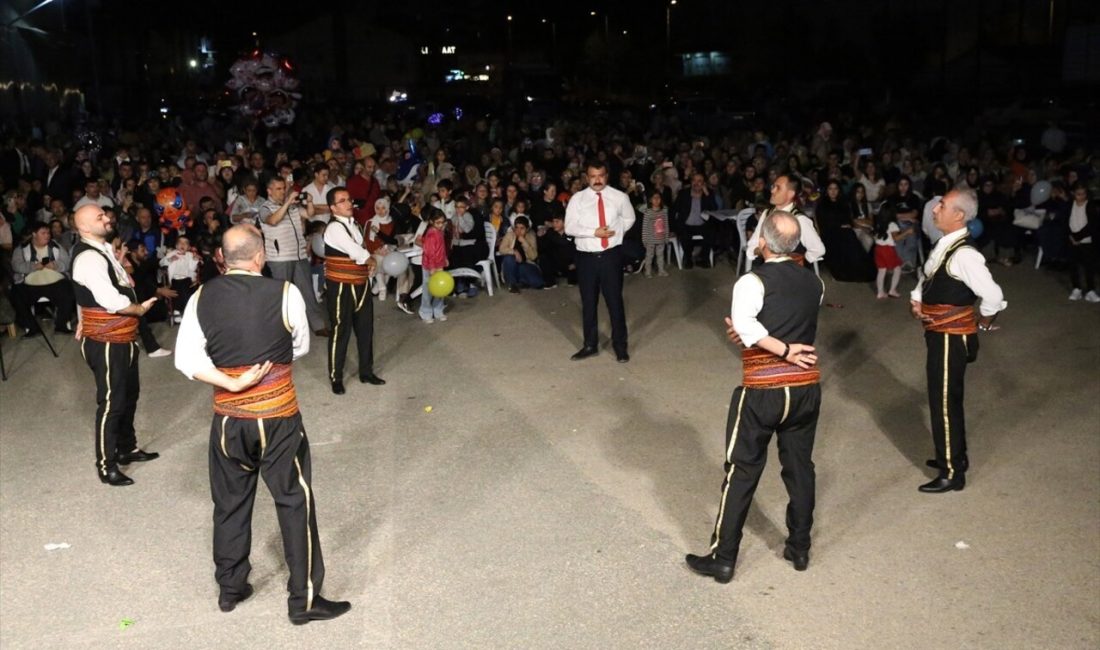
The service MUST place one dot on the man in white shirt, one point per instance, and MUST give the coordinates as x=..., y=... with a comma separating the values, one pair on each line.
x=285, y=246
x=784, y=192
x=318, y=192
x=953, y=277
x=773, y=320
x=598, y=217
x=109, y=313
x=92, y=196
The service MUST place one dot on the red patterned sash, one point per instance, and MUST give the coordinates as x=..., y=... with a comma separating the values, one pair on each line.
x=105, y=327
x=273, y=397
x=345, y=270
x=950, y=319
x=762, y=369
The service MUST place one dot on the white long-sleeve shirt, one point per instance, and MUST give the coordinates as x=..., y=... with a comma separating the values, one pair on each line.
x=181, y=265
x=582, y=218
x=811, y=241
x=348, y=241
x=748, y=300
x=968, y=265
x=90, y=271
x=191, y=355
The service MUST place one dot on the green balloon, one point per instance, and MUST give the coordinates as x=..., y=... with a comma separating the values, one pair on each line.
x=441, y=284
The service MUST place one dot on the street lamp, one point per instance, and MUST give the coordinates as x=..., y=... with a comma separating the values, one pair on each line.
x=668, y=38
x=509, y=36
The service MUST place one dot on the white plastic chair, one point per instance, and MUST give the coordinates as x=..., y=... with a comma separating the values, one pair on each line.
x=678, y=249
x=487, y=265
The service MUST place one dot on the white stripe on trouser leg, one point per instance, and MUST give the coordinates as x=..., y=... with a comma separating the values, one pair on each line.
x=729, y=475
x=332, y=336
x=786, y=404
x=106, y=409
x=309, y=536
x=946, y=418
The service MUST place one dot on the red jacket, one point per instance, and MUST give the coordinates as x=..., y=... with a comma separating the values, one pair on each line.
x=435, y=251
x=366, y=190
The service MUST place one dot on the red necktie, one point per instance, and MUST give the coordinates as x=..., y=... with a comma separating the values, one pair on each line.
x=603, y=218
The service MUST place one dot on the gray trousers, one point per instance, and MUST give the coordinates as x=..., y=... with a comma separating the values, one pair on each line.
x=298, y=274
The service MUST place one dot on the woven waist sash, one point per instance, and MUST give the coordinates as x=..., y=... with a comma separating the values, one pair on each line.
x=762, y=369
x=105, y=327
x=273, y=397
x=950, y=319
x=345, y=270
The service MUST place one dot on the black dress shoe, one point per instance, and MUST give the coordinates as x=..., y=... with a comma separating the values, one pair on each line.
x=338, y=387
x=942, y=484
x=323, y=332
x=32, y=334
x=720, y=570
x=116, y=478
x=584, y=353
x=228, y=602
x=799, y=560
x=373, y=380
x=622, y=357
x=963, y=465
x=137, y=456
x=322, y=610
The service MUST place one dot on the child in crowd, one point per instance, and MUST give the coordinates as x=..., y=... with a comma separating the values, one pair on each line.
x=317, y=257
x=655, y=233
x=887, y=233
x=433, y=259
x=183, y=273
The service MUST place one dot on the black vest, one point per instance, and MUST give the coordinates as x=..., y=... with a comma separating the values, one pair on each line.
x=84, y=296
x=792, y=296
x=941, y=288
x=336, y=252
x=242, y=318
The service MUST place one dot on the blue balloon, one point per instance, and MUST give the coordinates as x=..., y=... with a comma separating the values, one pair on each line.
x=975, y=227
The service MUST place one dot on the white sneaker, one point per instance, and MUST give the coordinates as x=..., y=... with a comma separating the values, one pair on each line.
x=382, y=295
x=162, y=352
x=428, y=321
x=177, y=319
x=443, y=318
x=1075, y=294
x=1092, y=297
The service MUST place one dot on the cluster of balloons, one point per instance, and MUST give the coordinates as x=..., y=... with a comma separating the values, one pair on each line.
x=171, y=210
x=440, y=284
x=265, y=85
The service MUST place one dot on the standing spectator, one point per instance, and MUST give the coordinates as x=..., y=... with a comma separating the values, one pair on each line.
x=183, y=273
x=1084, y=225
x=317, y=191
x=887, y=234
x=655, y=233
x=286, y=246
x=434, y=259
x=246, y=209
x=200, y=187
x=93, y=196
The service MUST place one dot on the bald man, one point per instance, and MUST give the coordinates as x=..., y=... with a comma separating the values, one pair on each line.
x=774, y=320
x=240, y=333
x=109, y=314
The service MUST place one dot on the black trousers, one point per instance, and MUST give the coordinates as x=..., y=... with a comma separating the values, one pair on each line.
x=602, y=273
x=686, y=236
x=24, y=296
x=948, y=355
x=349, y=309
x=277, y=449
x=754, y=414
x=115, y=366
x=1082, y=263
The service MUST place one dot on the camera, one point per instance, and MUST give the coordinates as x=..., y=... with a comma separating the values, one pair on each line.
x=302, y=198
x=358, y=204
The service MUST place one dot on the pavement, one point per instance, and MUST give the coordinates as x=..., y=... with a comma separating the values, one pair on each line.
x=544, y=503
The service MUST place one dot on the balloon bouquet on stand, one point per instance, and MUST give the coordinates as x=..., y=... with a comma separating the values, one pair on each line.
x=266, y=88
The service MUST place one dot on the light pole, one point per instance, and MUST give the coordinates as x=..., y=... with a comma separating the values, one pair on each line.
x=668, y=38
x=553, y=39
x=509, y=36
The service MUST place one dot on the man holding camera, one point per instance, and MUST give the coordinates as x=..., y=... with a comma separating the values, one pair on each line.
x=39, y=272
x=286, y=245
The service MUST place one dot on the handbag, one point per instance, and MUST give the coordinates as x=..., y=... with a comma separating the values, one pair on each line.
x=1028, y=219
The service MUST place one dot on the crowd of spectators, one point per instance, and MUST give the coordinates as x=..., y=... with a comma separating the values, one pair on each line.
x=502, y=186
